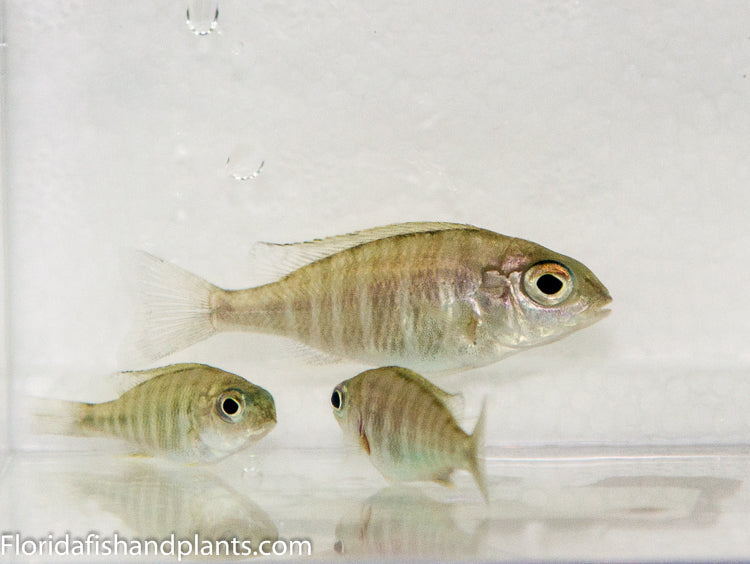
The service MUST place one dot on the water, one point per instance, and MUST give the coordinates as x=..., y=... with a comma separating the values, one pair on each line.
x=553, y=504
x=202, y=16
x=610, y=134
x=244, y=163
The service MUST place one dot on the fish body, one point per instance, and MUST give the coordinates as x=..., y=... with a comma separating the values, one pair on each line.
x=188, y=412
x=399, y=524
x=155, y=503
x=430, y=296
x=403, y=422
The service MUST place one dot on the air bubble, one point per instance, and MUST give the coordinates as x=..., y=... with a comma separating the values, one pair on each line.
x=202, y=16
x=243, y=163
x=237, y=48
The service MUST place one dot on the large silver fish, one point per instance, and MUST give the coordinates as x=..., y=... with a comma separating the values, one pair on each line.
x=403, y=422
x=430, y=296
x=188, y=412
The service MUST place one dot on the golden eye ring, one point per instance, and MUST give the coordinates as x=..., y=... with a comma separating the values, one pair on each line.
x=548, y=283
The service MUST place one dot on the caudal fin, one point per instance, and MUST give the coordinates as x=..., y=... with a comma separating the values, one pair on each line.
x=476, y=460
x=57, y=417
x=173, y=309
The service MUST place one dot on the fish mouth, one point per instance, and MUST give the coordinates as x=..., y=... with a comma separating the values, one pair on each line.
x=595, y=314
x=597, y=293
x=600, y=303
x=602, y=313
x=262, y=430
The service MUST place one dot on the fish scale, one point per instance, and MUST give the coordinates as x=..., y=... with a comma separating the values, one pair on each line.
x=429, y=296
x=403, y=423
x=176, y=412
x=154, y=501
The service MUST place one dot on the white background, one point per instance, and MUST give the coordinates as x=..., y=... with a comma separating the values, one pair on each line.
x=616, y=134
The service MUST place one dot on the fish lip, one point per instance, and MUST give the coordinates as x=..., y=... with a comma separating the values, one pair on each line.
x=600, y=303
x=264, y=429
x=595, y=315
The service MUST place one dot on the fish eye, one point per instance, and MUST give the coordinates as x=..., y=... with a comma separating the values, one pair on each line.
x=230, y=406
x=338, y=546
x=337, y=399
x=548, y=283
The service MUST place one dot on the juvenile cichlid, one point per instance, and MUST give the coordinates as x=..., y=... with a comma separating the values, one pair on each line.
x=189, y=412
x=401, y=524
x=430, y=296
x=157, y=502
x=403, y=422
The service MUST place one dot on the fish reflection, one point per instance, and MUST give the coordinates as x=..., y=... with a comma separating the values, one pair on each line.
x=156, y=503
x=529, y=519
x=704, y=492
x=552, y=523
x=621, y=500
x=399, y=522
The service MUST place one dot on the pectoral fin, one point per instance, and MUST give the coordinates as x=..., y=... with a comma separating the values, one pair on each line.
x=363, y=439
x=444, y=479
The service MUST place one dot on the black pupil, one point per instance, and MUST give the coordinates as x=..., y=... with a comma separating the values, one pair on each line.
x=336, y=399
x=338, y=546
x=549, y=284
x=230, y=406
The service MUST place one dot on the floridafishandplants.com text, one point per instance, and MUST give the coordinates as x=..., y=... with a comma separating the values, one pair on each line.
x=92, y=544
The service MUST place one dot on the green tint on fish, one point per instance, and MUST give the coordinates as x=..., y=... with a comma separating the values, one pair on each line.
x=398, y=524
x=430, y=296
x=190, y=412
x=157, y=502
x=403, y=422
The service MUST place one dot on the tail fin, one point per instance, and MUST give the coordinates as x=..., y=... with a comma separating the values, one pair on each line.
x=173, y=309
x=57, y=417
x=476, y=461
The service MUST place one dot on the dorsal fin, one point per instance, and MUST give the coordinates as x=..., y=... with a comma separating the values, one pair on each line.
x=453, y=402
x=137, y=377
x=275, y=260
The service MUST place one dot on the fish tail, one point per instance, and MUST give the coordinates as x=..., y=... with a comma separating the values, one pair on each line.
x=174, y=309
x=476, y=446
x=58, y=417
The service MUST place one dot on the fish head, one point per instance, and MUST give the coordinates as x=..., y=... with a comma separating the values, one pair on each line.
x=351, y=533
x=234, y=415
x=535, y=296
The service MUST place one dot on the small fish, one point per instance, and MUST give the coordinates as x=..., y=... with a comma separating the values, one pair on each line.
x=398, y=524
x=403, y=422
x=435, y=297
x=184, y=501
x=188, y=412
